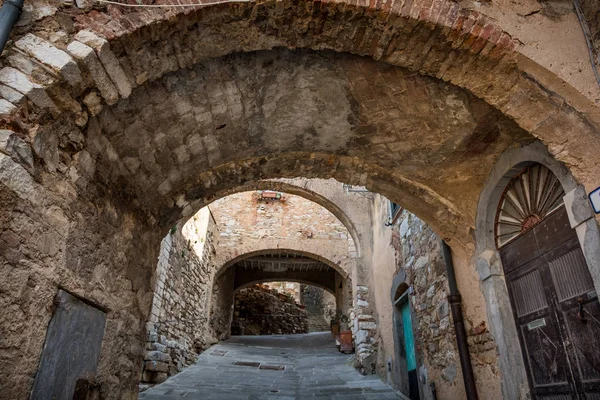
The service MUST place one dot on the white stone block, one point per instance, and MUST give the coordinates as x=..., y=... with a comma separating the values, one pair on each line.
x=108, y=59
x=51, y=56
x=10, y=94
x=362, y=303
x=6, y=108
x=86, y=55
x=20, y=82
x=367, y=325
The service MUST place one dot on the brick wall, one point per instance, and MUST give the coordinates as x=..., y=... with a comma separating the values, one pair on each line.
x=245, y=217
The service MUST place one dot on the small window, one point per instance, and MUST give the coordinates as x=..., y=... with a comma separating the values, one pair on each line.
x=395, y=211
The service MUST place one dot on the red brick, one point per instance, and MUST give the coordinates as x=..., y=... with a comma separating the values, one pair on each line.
x=426, y=7
x=472, y=37
x=483, y=39
x=500, y=47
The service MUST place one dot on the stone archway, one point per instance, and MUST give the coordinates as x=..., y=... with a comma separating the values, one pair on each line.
x=98, y=211
x=489, y=267
x=266, y=266
x=345, y=274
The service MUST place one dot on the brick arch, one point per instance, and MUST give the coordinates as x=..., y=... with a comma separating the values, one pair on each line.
x=225, y=179
x=290, y=188
x=419, y=141
x=437, y=38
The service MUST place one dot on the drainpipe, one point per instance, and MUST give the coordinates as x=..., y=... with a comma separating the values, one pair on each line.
x=455, y=301
x=9, y=15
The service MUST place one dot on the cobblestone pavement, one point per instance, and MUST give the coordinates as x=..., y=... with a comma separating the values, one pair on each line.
x=314, y=369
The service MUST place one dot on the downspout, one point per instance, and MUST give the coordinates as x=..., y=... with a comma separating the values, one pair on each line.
x=9, y=15
x=455, y=301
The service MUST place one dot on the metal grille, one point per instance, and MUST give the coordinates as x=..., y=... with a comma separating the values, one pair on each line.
x=556, y=397
x=529, y=294
x=247, y=364
x=571, y=275
x=273, y=367
x=592, y=396
x=529, y=197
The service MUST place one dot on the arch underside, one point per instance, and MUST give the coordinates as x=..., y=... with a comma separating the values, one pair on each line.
x=283, y=253
x=204, y=119
x=283, y=265
x=324, y=283
x=369, y=131
x=436, y=38
x=179, y=142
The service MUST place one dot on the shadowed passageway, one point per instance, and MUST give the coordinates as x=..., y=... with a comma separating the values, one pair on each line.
x=313, y=369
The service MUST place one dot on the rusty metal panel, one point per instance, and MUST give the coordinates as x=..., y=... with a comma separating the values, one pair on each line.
x=71, y=349
x=571, y=275
x=528, y=293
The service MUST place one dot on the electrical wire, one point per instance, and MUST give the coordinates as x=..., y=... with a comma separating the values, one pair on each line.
x=116, y=3
x=588, y=39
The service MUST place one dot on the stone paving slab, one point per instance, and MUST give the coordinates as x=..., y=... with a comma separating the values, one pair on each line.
x=314, y=370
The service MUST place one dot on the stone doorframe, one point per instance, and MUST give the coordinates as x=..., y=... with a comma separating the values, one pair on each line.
x=489, y=267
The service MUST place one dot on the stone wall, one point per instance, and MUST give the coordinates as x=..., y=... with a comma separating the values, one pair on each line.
x=291, y=288
x=60, y=232
x=260, y=310
x=320, y=307
x=221, y=311
x=414, y=251
x=418, y=255
x=178, y=326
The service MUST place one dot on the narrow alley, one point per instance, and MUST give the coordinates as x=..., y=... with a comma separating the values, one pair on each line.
x=279, y=367
x=299, y=199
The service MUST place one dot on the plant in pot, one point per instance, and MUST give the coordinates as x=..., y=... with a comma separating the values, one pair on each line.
x=335, y=323
x=346, y=345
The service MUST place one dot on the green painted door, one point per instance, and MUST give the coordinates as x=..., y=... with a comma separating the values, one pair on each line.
x=409, y=342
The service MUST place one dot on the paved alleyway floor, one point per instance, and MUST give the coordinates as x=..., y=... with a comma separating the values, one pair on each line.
x=312, y=369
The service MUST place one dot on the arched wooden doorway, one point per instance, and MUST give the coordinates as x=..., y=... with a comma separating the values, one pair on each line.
x=551, y=291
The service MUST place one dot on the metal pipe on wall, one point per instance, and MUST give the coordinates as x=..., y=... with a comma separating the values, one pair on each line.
x=455, y=300
x=9, y=15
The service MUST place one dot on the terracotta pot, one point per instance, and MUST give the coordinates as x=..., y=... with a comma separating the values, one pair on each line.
x=335, y=328
x=346, y=345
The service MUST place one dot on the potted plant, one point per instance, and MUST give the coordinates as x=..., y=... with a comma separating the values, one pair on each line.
x=346, y=344
x=335, y=323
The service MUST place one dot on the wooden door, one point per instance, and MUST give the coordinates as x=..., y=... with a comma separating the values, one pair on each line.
x=556, y=310
x=409, y=347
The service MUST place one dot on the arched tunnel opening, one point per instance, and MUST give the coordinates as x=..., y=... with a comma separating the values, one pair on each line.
x=431, y=164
